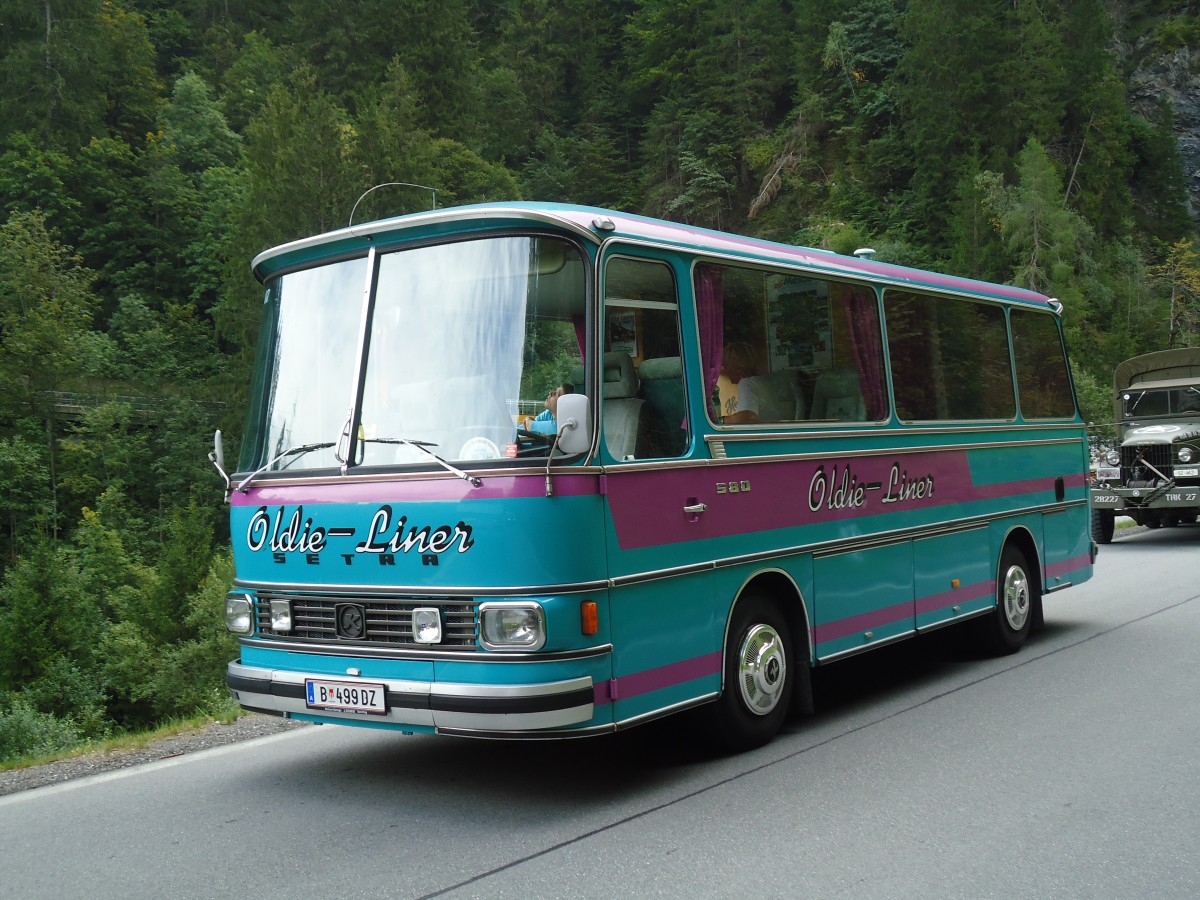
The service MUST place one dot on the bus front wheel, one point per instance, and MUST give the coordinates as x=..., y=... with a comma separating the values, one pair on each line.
x=758, y=680
x=1005, y=630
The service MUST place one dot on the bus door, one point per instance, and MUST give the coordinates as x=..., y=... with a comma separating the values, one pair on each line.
x=665, y=632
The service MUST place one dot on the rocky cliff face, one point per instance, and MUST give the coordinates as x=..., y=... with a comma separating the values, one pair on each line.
x=1174, y=77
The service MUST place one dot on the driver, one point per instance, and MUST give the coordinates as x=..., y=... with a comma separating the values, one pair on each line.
x=546, y=421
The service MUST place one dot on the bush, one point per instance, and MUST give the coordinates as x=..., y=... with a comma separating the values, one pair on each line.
x=25, y=732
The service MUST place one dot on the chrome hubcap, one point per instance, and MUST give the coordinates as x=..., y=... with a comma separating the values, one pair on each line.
x=1016, y=597
x=762, y=669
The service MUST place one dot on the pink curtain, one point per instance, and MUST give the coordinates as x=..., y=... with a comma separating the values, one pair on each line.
x=580, y=324
x=862, y=317
x=710, y=311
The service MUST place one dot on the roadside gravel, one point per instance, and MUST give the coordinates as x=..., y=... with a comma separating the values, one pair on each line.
x=213, y=735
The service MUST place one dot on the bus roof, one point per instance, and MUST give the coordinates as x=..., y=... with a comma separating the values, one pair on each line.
x=598, y=225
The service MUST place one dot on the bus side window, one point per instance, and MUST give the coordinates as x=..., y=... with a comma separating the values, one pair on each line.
x=642, y=323
x=1043, y=381
x=949, y=358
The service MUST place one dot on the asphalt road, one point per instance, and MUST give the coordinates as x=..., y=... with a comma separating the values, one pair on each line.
x=1071, y=769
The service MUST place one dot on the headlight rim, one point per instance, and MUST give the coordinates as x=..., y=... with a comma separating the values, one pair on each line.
x=239, y=598
x=486, y=610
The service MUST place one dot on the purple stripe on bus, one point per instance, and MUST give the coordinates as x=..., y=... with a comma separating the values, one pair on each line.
x=1027, y=486
x=1082, y=561
x=629, y=686
x=963, y=594
x=691, y=236
x=647, y=507
x=443, y=490
x=875, y=618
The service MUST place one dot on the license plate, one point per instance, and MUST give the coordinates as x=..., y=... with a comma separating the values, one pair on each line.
x=350, y=696
x=1187, y=473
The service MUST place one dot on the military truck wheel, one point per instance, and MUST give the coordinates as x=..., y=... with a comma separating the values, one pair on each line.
x=1103, y=523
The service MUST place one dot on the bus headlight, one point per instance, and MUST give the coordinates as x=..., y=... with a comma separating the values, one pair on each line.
x=1186, y=455
x=1113, y=457
x=239, y=613
x=512, y=626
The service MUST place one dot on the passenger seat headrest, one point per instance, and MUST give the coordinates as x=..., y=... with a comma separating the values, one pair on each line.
x=620, y=379
x=660, y=368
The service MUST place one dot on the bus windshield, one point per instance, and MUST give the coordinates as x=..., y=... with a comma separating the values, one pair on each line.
x=465, y=343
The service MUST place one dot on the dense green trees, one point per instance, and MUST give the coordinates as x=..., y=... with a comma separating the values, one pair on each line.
x=149, y=148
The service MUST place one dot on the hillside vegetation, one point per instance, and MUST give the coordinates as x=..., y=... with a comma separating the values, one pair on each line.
x=149, y=148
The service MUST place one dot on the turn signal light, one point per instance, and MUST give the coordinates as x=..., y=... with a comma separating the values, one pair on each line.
x=589, y=617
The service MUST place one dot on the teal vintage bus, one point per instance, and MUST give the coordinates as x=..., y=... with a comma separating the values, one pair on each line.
x=761, y=459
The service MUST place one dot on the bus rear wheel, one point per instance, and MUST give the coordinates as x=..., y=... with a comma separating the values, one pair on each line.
x=1005, y=630
x=758, y=680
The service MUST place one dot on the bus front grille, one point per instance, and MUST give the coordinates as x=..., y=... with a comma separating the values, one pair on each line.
x=371, y=621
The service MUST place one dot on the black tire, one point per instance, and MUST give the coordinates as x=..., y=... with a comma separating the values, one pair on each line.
x=1017, y=591
x=758, y=677
x=1103, y=523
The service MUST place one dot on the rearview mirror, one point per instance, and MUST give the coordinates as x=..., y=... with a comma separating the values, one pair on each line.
x=574, y=416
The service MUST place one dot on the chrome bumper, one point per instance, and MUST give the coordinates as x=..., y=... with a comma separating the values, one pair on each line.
x=459, y=707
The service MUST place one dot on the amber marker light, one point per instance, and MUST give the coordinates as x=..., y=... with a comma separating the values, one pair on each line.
x=589, y=617
x=954, y=582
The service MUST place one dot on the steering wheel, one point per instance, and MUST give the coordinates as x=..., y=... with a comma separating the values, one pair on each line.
x=529, y=443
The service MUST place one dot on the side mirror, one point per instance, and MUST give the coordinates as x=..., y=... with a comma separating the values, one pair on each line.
x=217, y=456
x=574, y=416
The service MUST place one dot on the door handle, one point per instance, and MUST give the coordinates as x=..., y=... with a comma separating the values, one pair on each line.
x=695, y=509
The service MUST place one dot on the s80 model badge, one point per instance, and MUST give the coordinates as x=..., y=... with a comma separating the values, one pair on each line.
x=733, y=487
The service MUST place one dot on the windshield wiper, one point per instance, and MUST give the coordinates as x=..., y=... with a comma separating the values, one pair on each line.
x=294, y=451
x=424, y=446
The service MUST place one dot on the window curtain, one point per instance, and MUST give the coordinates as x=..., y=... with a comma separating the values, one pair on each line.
x=710, y=311
x=580, y=324
x=862, y=318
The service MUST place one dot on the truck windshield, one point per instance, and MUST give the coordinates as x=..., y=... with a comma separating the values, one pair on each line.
x=1174, y=402
x=465, y=341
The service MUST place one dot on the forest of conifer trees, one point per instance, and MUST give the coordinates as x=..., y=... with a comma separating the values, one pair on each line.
x=150, y=148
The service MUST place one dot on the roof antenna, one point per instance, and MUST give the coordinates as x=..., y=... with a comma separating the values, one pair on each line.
x=423, y=187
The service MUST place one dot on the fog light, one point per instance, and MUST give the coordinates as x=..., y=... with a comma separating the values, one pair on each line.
x=427, y=625
x=512, y=626
x=239, y=613
x=1186, y=455
x=281, y=615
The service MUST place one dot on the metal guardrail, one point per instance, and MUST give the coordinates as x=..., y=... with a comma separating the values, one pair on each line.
x=73, y=404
